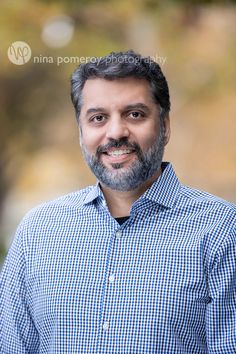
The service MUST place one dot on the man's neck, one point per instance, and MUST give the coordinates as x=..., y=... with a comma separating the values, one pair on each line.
x=119, y=203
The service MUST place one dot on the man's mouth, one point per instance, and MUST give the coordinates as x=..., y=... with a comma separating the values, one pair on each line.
x=119, y=152
x=118, y=149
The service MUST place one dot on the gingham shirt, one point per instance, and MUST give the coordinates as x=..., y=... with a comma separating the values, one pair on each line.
x=75, y=281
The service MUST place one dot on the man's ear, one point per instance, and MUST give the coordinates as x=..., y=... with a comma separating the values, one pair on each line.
x=167, y=130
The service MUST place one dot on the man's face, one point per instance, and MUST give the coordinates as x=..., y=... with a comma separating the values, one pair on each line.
x=122, y=138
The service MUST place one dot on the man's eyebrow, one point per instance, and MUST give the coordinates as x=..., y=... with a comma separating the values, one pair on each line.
x=137, y=106
x=95, y=110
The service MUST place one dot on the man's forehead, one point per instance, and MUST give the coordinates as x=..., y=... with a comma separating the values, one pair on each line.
x=126, y=90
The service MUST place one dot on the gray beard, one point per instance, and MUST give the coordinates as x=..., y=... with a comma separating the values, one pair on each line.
x=127, y=179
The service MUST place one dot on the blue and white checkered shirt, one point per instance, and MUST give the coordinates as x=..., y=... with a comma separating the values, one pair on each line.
x=75, y=281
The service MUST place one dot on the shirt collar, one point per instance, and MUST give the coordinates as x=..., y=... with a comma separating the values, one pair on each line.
x=93, y=193
x=163, y=191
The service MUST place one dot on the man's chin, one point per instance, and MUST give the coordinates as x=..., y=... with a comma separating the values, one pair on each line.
x=117, y=166
x=125, y=166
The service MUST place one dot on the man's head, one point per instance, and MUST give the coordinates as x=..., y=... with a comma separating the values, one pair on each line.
x=122, y=65
x=122, y=106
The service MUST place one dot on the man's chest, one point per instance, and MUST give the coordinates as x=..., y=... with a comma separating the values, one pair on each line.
x=121, y=282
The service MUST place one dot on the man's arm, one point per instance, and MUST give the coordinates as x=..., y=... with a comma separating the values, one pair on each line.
x=221, y=312
x=17, y=331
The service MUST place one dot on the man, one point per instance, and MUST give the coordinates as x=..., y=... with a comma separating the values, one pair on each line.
x=137, y=263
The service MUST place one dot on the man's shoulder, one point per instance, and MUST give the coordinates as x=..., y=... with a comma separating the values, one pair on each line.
x=202, y=199
x=64, y=205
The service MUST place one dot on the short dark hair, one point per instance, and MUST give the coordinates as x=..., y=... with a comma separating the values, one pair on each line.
x=118, y=65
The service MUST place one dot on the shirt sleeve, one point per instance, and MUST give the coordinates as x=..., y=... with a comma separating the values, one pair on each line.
x=17, y=331
x=221, y=311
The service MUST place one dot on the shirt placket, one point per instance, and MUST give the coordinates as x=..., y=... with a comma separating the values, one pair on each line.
x=110, y=278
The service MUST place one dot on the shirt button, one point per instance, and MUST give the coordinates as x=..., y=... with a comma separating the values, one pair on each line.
x=105, y=326
x=111, y=278
x=118, y=233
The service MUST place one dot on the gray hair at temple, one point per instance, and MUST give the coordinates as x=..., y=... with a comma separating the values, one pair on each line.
x=118, y=65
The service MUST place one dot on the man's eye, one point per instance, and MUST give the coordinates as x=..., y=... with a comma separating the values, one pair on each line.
x=136, y=115
x=98, y=119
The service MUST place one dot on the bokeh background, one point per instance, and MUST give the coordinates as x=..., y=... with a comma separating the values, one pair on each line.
x=193, y=41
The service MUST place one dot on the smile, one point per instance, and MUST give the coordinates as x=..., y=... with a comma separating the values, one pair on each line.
x=119, y=152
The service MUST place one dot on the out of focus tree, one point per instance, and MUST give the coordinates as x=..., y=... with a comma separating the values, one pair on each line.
x=200, y=50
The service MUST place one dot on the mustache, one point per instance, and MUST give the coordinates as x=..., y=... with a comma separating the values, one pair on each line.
x=123, y=142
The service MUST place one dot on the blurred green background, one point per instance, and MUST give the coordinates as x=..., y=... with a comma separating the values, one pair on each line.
x=193, y=41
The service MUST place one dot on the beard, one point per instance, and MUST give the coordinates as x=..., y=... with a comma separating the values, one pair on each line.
x=129, y=178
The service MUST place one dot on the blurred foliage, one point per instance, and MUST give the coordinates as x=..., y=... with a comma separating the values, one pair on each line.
x=201, y=52
x=152, y=3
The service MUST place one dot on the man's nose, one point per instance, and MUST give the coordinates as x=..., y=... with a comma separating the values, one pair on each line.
x=117, y=128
